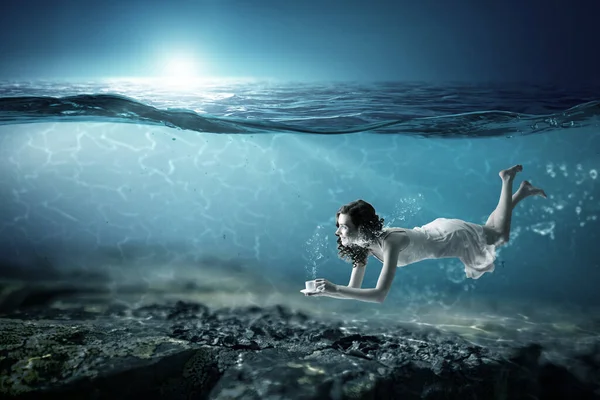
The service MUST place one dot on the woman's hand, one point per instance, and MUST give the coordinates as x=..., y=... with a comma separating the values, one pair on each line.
x=323, y=288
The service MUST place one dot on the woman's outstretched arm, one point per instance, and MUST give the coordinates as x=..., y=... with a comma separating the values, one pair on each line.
x=392, y=247
x=378, y=294
x=356, y=280
x=358, y=274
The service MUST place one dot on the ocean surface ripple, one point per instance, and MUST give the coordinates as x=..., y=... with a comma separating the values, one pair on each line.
x=418, y=109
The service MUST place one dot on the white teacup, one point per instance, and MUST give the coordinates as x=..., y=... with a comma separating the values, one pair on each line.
x=311, y=286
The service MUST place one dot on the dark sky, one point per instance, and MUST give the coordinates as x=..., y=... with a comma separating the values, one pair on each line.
x=432, y=40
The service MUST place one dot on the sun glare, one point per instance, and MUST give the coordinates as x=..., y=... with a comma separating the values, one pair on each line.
x=180, y=70
x=181, y=67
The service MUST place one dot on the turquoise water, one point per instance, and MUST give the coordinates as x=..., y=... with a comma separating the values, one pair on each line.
x=240, y=205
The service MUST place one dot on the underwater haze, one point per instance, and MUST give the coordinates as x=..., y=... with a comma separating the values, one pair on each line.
x=229, y=190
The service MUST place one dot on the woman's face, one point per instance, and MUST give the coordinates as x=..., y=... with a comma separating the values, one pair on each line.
x=346, y=230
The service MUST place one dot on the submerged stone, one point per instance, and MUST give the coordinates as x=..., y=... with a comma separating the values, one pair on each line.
x=186, y=350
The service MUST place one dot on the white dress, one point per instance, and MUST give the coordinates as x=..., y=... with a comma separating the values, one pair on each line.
x=447, y=238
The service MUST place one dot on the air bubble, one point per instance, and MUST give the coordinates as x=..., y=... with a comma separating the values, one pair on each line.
x=593, y=174
x=563, y=168
x=403, y=209
x=316, y=249
x=544, y=228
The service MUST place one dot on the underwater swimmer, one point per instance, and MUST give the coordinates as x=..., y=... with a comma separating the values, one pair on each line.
x=360, y=234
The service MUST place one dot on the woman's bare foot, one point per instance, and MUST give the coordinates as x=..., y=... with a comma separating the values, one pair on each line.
x=510, y=172
x=529, y=190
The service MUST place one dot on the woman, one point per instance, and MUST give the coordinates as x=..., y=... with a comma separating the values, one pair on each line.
x=360, y=233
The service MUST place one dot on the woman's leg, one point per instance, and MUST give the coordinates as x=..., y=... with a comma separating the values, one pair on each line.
x=503, y=211
x=497, y=226
x=525, y=190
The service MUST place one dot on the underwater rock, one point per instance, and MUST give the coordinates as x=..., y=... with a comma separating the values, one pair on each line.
x=186, y=350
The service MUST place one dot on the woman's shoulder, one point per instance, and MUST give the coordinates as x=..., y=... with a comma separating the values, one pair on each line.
x=395, y=236
x=388, y=230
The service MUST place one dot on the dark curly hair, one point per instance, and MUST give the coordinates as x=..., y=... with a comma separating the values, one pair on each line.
x=363, y=216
